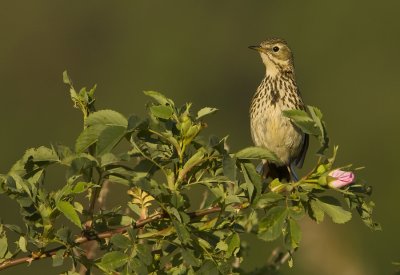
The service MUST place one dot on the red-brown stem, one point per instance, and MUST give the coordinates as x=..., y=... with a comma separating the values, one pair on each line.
x=105, y=235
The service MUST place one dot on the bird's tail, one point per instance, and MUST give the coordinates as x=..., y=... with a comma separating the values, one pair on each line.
x=273, y=171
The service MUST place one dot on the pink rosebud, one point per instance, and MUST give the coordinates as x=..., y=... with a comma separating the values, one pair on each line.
x=341, y=178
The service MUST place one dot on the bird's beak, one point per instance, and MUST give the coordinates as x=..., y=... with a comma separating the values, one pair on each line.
x=256, y=48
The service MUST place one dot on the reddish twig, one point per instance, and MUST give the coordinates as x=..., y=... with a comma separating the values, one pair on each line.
x=104, y=235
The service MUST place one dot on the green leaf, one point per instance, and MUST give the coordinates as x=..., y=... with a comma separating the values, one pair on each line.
x=253, y=179
x=144, y=254
x=88, y=137
x=189, y=257
x=109, y=138
x=317, y=212
x=58, y=258
x=121, y=241
x=194, y=160
x=3, y=245
x=22, y=243
x=293, y=234
x=233, y=242
x=208, y=268
x=161, y=111
x=229, y=167
x=69, y=212
x=256, y=153
x=133, y=122
x=66, y=78
x=316, y=114
x=113, y=260
x=205, y=111
x=301, y=119
x=43, y=154
x=364, y=209
x=267, y=199
x=106, y=117
x=138, y=267
x=160, y=98
x=270, y=227
x=80, y=187
x=332, y=208
x=182, y=232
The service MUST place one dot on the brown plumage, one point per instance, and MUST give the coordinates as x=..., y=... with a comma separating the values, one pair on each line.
x=277, y=92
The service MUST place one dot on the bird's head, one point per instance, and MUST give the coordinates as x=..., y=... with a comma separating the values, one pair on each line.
x=276, y=55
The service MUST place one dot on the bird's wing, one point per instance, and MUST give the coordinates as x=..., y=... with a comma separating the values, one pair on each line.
x=300, y=160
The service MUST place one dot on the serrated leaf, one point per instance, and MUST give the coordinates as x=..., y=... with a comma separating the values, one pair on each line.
x=78, y=207
x=88, y=137
x=205, y=111
x=58, y=258
x=138, y=267
x=3, y=246
x=66, y=78
x=22, y=243
x=144, y=254
x=254, y=152
x=106, y=117
x=189, y=257
x=113, y=260
x=133, y=122
x=194, y=160
x=253, y=180
x=229, y=167
x=44, y=154
x=222, y=245
x=161, y=111
x=233, y=242
x=69, y=212
x=270, y=227
x=232, y=199
x=120, y=241
x=109, y=138
x=332, y=208
x=209, y=267
x=323, y=138
x=80, y=187
x=301, y=119
x=365, y=209
x=267, y=199
x=293, y=234
x=182, y=232
x=317, y=212
x=160, y=98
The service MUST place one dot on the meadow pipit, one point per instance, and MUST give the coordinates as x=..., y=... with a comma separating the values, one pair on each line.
x=269, y=127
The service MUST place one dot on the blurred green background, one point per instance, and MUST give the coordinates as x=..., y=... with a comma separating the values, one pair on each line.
x=347, y=63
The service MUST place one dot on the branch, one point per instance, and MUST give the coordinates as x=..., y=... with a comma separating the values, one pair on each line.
x=108, y=234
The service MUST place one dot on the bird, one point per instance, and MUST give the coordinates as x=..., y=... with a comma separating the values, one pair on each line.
x=270, y=129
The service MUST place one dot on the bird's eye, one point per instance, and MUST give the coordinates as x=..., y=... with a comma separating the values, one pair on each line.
x=275, y=49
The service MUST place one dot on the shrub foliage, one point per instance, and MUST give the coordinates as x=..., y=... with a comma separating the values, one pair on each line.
x=188, y=199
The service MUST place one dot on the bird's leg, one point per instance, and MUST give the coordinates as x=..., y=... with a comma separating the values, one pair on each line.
x=292, y=172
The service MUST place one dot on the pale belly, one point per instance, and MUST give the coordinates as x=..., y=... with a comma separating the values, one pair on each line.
x=276, y=133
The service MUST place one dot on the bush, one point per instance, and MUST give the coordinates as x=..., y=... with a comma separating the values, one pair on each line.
x=160, y=225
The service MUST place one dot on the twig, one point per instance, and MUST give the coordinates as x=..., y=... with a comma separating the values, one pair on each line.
x=108, y=234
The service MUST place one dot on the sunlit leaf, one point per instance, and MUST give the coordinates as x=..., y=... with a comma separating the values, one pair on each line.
x=106, y=117
x=256, y=153
x=161, y=111
x=205, y=111
x=109, y=138
x=69, y=212
x=270, y=227
x=113, y=260
x=332, y=208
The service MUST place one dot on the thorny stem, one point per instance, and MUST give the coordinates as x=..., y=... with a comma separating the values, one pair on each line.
x=108, y=234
